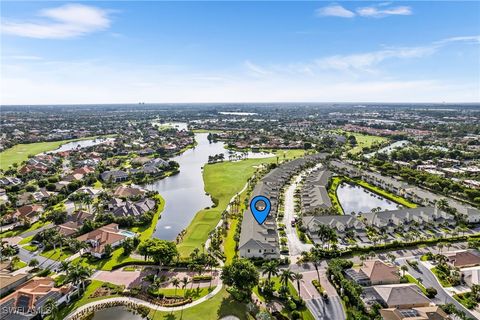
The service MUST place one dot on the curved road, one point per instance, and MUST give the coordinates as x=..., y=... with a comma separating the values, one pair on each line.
x=145, y=303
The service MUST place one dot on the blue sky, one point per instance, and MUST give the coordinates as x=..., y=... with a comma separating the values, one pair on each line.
x=126, y=52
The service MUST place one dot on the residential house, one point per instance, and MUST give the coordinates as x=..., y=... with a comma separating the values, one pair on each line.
x=419, y=313
x=10, y=280
x=121, y=208
x=341, y=224
x=10, y=181
x=103, y=236
x=123, y=191
x=314, y=194
x=463, y=259
x=30, y=213
x=401, y=296
x=29, y=298
x=114, y=176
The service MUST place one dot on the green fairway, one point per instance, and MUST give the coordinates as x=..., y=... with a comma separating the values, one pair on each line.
x=364, y=140
x=20, y=152
x=222, y=181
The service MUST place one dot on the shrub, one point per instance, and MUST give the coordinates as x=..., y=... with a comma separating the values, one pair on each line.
x=431, y=292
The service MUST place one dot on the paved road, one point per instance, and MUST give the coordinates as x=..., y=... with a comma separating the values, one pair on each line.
x=429, y=280
x=34, y=232
x=27, y=256
x=295, y=246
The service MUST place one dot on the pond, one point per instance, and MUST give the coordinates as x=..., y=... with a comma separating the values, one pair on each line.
x=184, y=193
x=354, y=198
x=117, y=313
x=74, y=145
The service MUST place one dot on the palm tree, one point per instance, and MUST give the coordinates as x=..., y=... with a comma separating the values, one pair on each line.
x=270, y=269
x=51, y=308
x=285, y=276
x=176, y=283
x=184, y=283
x=297, y=276
x=404, y=269
x=64, y=266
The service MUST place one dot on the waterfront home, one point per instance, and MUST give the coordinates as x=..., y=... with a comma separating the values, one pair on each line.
x=29, y=298
x=103, y=236
x=341, y=224
x=408, y=218
x=123, y=191
x=314, y=194
x=125, y=208
x=261, y=240
x=114, y=176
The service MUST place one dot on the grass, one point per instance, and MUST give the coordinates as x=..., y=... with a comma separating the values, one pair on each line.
x=105, y=264
x=364, y=141
x=20, y=152
x=222, y=181
x=94, y=285
x=56, y=254
x=18, y=231
x=400, y=200
x=31, y=248
x=217, y=307
x=415, y=281
x=332, y=193
x=147, y=231
x=19, y=265
x=195, y=293
x=440, y=279
x=229, y=243
x=306, y=314
x=26, y=240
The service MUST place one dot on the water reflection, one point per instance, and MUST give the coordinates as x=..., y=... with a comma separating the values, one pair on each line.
x=184, y=193
x=358, y=199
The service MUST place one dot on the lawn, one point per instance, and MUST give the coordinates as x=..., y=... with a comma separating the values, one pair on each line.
x=147, y=231
x=440, y=279
x=306, y=314
x=26, y=240
x=18, y=231
x=31, y=248
x=56, y=254
x=222, y=181
x=19, y=265
x=195, y=293
x=365, y=140
x=415, y=281
x=106, y=264
x=332, y=193
x=20, y=152
x=217, y=307
x=94, y=285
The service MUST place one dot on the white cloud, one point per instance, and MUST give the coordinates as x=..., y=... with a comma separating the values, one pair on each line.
x=24, y=57
x=255, y=69
x=334, y=11
x=375, y=12
x=365, y=61
x=67, y=21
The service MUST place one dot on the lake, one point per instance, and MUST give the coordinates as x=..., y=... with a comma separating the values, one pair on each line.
x=81, y=144
x=357, y=199
x=117, y=313
x=184, y=193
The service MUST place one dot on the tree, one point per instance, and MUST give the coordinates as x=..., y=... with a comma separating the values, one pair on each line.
x=404, y=269
x=77, y=274
x=431, y=292
x=33, y=263
x=51, y=308
x=297, y=276
x=176, y=283
x=242, y=276
x=270, y=269
x=161, y=251
x=108, y=250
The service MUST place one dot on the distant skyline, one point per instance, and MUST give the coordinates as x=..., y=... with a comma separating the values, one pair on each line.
x=179, y=52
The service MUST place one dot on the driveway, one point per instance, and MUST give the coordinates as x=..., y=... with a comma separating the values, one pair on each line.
x=27, y=256
x=429, y=280
x=295, y=246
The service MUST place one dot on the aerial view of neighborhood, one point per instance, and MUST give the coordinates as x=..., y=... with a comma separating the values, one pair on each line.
x=239, y=160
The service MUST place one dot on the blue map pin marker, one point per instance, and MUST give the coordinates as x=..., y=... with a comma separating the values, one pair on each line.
x=260, y=215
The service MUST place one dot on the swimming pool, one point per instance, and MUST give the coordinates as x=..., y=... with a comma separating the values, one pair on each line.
x=127, y=233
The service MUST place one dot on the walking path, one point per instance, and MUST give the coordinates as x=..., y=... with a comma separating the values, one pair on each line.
x=129, y=300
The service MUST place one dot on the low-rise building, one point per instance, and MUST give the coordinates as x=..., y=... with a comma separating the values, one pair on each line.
x=101, y=237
